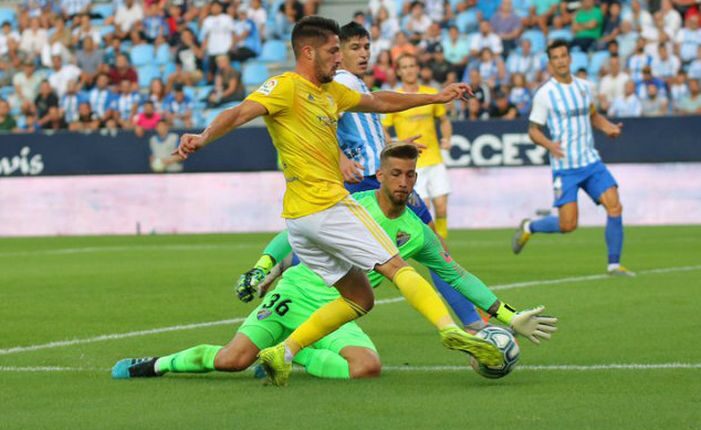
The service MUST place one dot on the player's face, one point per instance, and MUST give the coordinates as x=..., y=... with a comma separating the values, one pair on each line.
x=408, y=70
x=327, y=59
x=398, y=177
x=560, y=61
x=355, y=53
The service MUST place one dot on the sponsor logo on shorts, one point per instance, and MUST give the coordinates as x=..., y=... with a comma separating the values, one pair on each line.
x=263, y=314
x=402, y=238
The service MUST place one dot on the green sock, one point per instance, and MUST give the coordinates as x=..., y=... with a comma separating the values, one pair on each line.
x=279, y=247
x=323, y=363
x=198, y=359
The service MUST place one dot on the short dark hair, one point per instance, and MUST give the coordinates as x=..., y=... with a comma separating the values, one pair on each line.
x=559, y=43
x=405, y=151
x=352, y=30
x=317, y=28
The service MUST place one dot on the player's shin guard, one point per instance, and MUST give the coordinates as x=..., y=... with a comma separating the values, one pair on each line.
x=442, y=227
x=198, y=359
x=422, y=297
x=322, y=322
x=614, y=238
x=323, y=363
x=548, y=224
x=463, y=308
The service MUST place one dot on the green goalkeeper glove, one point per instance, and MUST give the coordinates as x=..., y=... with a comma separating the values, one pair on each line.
x=248, y=282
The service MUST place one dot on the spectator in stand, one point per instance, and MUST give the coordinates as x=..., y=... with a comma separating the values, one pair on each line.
x=665, y=66
x=587, y=25
x=527, y=62
x=162, y=145
x=691, y=104
x=468, y=16
x=26, y=85
x=480, y=89
x=648, y=79
x=401, y=46
x=89, y=61
x=639, y=61
x=33, y=38
x=418, y=21
x=678, y=89
x=178, y=108
x=370, y=82
x=73, y=8
x=382, y=67
x=519, y=95
x=175, y=24
x=611, y=28
x=102, y=99
x=426, y=77
x=157, y=94
x=612, y=84
x=85, y=30
x=695, y=66
x=627, y=40
x=559, y=30
x=653, y=36
x=53, y=120
x=154, y=23
x=7, y=122
x=671, y=17
x=545, y=11
x=507, y=25
x=227, y=84
x=146, y=120
x=69, y=102
x=638, y=17
x=502, y=107
x=456, y=50
x=436, y=9
x=491, y=68
x=60, y=42
x=85, y=121
x=247, y=40
x=126, y=105
x=628, y=105
x=8, y=38
x=389, y=26
x=218, y=34
x=289, y=12
x=129, y=15
x=122, y=71
x=258, y=14
x=45, y=100
x=391, y=81
x=377, y=43
x=439, y=66
x=688, y=40
x=475, y=111
x=188, y=61
x=62, y=74
x=430, y=40
x=653, y=104
x=111, y=53
x=486, y=38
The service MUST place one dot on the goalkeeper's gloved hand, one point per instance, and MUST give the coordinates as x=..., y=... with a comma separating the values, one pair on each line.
x=248, y=283
x=533, y=324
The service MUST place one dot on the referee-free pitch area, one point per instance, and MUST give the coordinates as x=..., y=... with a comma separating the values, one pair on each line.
x=627, y=355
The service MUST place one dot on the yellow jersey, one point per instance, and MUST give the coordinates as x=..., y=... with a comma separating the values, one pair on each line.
x=302, y=120
x=419, y=120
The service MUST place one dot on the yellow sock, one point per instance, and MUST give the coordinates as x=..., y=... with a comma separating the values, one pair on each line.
x=422, y=297
x=322, y=322
x=442, y=227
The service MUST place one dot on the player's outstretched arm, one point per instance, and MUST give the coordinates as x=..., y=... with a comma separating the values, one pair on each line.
x=224, y=123
x=390, y=101
x=274, y=253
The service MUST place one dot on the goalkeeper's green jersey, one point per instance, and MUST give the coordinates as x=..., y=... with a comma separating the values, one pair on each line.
x=415, y=240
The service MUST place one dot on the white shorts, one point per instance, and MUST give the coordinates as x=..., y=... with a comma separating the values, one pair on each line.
x=433, y=181
x=333, y=241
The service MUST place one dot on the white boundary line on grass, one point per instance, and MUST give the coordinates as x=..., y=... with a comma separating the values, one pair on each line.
x=105, y=337
x=426, y=369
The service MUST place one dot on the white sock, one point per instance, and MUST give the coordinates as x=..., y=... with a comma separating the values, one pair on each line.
x=288, y=355
x=527, y=227
x=613, y=266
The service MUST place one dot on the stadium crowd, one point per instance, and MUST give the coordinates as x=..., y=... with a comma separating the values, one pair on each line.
x=83, y=66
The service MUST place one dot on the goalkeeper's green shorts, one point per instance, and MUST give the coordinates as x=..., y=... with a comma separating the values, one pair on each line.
x=284, y=309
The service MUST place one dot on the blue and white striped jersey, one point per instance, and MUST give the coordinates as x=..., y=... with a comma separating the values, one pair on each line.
x=566, y=109
x=101, y=101
x=125, y=103
x=360, y=135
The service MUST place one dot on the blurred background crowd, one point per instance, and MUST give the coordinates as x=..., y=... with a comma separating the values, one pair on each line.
x=126, y=64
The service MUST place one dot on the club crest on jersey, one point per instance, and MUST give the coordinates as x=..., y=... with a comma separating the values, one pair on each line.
x=446, y=257
x=263, y=314
x=310, y=98
x=402, y=238
x=267, y=87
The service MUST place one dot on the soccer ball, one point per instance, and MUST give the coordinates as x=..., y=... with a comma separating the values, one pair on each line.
x=505, y=341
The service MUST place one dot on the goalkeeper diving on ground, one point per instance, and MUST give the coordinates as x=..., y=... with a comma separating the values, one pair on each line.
x=347, y=352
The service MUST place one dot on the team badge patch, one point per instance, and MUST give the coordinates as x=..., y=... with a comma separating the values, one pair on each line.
x=263, y=314
x=402, y=238
x=268, y=87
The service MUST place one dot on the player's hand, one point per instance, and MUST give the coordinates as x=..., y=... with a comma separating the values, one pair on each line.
x=534, y=325
x=556, y=150
x=614, y=130
x=445, y=143
x=352, y=170
x=412, y=141
x=275, y=273
x=189, y=143
x=459, y=90
x=246, y=287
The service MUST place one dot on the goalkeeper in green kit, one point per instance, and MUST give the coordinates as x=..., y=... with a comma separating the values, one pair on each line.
x=348, y=352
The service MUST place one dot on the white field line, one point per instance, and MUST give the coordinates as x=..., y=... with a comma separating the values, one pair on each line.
x=428, y=369
x=96, y=249
x=69, y=342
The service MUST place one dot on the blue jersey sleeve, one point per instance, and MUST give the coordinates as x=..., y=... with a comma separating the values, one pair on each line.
x=416, y=204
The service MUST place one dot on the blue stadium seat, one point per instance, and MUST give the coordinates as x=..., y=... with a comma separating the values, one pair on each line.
x=105, y=30
x=142, y=54
x=580, y=60
x=598, y=59
x=105, y=10
x=537, y=39
x=202, y=91
x=274, y=51
x=6, y=92
x=210, y=114
x=254, y=74
x=146, y=74
x=168, y=69
x=162, y=55
x=8, y=14
x=189, y=92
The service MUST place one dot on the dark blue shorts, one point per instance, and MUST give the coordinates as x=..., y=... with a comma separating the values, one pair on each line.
x=415, y=203
x=594, y=179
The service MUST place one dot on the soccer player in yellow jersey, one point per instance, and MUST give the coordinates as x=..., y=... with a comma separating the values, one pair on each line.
x=433, y=183
x=329, y=231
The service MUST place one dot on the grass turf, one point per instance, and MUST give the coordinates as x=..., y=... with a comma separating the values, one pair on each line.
x=57, y=289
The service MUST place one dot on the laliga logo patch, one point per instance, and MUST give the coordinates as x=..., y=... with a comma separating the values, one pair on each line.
x=267, y=87
x=402, y=238
x=263, y=314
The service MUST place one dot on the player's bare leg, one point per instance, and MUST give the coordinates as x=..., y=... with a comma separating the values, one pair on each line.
x=614, y=231
x=569, y=216
x=440, y=206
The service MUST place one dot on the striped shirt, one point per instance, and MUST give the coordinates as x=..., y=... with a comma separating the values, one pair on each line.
x=69, y=104
x=636, y=63
x=566, y=109
x=360, y=135
x=125, y=103
x=101, y=101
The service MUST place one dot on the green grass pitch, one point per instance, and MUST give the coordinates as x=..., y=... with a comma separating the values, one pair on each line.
x=71, y=307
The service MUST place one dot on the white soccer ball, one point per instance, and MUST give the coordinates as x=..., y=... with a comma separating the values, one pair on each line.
x=505, y=341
